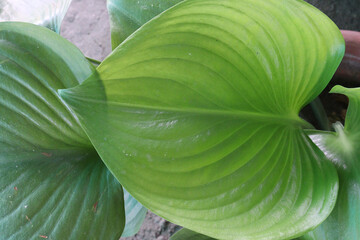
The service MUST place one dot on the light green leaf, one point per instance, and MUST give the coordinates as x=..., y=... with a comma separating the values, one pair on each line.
x=52, y=183
x=126, y=16
x=134, y=213
x=186, y=234
x=343, y=149
x=47, y=13
x=197, y=116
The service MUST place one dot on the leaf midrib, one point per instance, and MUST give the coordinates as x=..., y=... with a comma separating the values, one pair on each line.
x=282, y=119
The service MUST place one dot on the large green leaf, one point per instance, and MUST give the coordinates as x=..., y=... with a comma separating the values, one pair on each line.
x=52, y=183
x=47, y=13
x=343, y=148
x=197, y=116
x=186, y=234
x=126, y=16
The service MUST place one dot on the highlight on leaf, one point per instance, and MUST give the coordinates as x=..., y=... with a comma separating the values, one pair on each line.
x=134, y=215
x=197, y=116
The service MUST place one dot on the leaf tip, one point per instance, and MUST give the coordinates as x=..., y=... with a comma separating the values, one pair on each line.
x=349, y=92
x=338, y=89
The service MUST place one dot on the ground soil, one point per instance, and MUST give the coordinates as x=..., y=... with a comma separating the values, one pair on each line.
x=87, y=26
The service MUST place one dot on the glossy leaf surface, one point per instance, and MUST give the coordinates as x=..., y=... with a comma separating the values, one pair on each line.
x=52, y=183
x=126, y=16
x=65, y=194
x=134, y=214
x=197, y=116
x=343, y=148
x=47, y=13
x=186, y=234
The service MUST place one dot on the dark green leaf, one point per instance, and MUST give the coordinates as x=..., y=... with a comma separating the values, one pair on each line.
x=126, y=16
x=186, y=234
x=343, y=149
x=66, y=194
x=52, y=183
x=197, y=116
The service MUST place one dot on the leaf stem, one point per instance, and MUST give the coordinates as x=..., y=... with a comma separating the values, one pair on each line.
x=320, y=114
